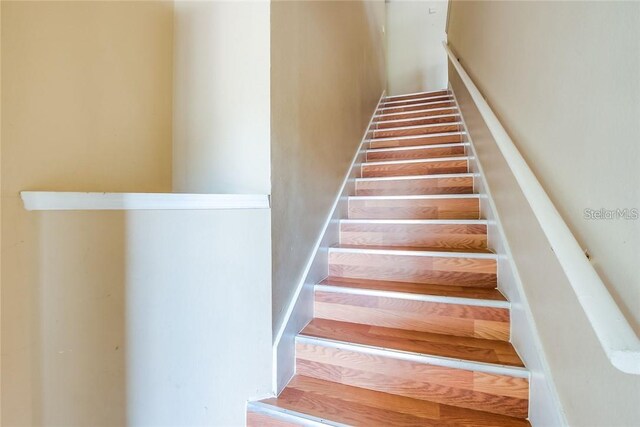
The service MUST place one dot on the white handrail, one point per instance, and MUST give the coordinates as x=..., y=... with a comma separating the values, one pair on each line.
x=616, y=336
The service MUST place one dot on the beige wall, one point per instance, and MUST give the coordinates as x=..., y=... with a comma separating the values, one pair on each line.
x=563, y=79
x=86, y=106
x=327, y=73
x=221, y=97
x=415, y=31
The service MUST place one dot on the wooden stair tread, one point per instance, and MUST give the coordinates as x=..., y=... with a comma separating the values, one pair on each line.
x=409, y=328
x=416, y=95
x=358, y=406
x=416, y=288
x=418, y=249
x=450, y=346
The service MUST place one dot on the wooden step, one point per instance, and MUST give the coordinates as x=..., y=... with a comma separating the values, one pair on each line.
x=448, y=291
x=414, y=265
x=432, y=206
x=422, y=312
x=272, y=417
x=441, y=234
x=416, y=185
x=417, y=152
x=432, y=166
x=417, y=107
x=401, y=103
x=417, y=95
x=444, y=118
x=418, y=130
x=465, y=383
x=347, y=405
x=467, y=348
x=412, y=140
x=429, y=112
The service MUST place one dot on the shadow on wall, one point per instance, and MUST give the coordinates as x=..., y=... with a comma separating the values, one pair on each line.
x=81, y=318
x=116, y=318
x=327, y=74
x=135, y=319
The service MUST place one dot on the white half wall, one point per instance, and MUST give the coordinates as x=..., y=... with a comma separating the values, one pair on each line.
x=415, y=31
x=167, y=311
x=198, y=311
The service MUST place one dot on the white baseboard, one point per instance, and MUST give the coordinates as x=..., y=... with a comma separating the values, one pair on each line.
x=300, y=309
x=544, y=408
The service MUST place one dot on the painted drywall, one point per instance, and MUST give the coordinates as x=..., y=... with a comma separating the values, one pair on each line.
x=327, y=74
x=221, y=104
x=572, y=381
x=503, y=193
x=563, y=79
x=86, y=106
x=415, y=31
x=198, y=316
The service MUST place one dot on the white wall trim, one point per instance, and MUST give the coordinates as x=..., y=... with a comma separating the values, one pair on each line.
x=341, y=199
x=65, y=201
x=543, y=395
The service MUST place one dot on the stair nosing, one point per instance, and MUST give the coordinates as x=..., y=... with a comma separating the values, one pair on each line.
x=476, y=302
x=290, y=415
x=430, y=125
x=418, y=147
x=377, y=116
x=415, y=252
x=415, y=221
x=428, y=359
x=418, y=118
x=385, y=104
x=408, y=137
x=432, y=176
x=418, y=105
x=419, y=196
x=417, y=93
x=412, y=161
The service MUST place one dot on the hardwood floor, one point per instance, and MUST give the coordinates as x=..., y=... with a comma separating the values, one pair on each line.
x=429, y=166
x=428, y=234
x=361, y=407
x=443, y=118
x=416, y=152
x=417, y=130
x=416, y=207
x=420, y=100
x=409, y=327
x=413, y=140
x=415, y=185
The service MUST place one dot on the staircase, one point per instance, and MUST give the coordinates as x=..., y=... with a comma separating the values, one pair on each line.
x=409, y=328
